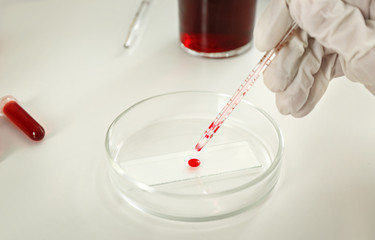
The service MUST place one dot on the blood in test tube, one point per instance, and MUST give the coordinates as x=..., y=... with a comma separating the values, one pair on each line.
x=19, y=117
x=194, y=162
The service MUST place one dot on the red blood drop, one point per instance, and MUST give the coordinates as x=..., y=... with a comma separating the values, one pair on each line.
x=17, y=115
x=194, y=162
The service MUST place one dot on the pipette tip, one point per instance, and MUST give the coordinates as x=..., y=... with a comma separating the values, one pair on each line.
x=206, y=137
x=199, y=146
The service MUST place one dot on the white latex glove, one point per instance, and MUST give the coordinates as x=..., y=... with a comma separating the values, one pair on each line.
x=336, y=38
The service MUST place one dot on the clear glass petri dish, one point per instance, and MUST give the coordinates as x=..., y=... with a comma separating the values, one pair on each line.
x=150, y=143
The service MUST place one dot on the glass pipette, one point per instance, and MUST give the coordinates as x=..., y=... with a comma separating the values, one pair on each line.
x=242, y=90
x=137, y=23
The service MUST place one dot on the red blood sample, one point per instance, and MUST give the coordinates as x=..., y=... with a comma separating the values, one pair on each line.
x=216, y=25
x=194, y=162
x=19, y=117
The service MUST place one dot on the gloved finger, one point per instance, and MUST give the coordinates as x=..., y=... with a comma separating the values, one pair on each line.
x=367, y=7
x=336, y=68
x=296, y=94
x=361, y=67
x=272, y=25
x=336, y=25
x=283, y=69
x=319, y=87
x=371, y=89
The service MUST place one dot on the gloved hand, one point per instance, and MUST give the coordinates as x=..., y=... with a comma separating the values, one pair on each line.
x=335, y=38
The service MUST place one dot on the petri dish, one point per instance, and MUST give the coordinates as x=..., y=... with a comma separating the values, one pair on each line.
x=150, y=143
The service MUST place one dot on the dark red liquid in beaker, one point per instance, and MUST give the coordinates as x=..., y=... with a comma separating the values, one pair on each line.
x=194, y=162
x=216, y=25
x=17, y=115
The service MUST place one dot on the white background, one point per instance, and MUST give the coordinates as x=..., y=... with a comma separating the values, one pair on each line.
x=64, y=62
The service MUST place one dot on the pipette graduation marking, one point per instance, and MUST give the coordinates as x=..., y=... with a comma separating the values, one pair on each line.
x=19, y=117
x=242, y=90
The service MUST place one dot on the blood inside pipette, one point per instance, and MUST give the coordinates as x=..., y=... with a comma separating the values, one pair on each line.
x=264, y=62
x=19, y=117
x=212, y=129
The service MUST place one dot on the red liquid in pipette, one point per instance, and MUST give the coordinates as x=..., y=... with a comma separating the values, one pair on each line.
x=19, y=117
x=264, y=62
x=194, y=162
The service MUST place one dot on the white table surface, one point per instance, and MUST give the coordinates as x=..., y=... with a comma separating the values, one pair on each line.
x=64, y=62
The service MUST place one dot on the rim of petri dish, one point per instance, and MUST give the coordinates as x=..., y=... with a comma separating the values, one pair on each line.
x=145, y=187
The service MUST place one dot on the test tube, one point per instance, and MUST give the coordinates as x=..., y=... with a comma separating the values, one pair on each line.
x=20, y=118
